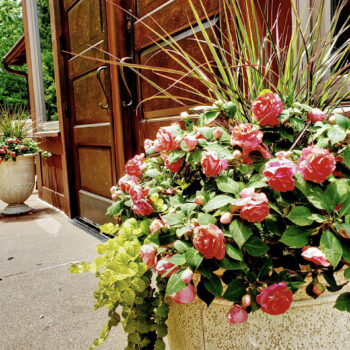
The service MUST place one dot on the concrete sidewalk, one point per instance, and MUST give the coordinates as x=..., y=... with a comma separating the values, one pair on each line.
x=43, y=306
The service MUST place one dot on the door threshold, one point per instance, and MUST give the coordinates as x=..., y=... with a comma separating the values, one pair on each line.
x=89, y=228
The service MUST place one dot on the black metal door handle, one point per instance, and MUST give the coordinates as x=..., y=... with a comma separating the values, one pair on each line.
x=122, y=74
x=98, y=74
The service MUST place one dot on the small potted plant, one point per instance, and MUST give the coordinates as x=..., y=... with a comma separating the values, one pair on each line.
x=17, y=166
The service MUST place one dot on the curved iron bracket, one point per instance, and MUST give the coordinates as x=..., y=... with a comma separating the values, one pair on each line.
x=98, y=74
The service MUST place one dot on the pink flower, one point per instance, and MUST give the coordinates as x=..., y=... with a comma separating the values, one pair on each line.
x=200, y=200
x=163, y=265
x=191, y=142
x=280, y=173
x=315, y=255
x=316, y=115
x=237, y=315
x=137, y=192
x=156, y=225
x=275, y=299
x=254, y=206
x=185, y=296
x=187, y=276
x=126, y=182
x=266, y=109
x=316, y=164
x=147, y=144
x=246, y=135
x=211, y=163
x=167, y=140
x=134, y=166
x=142, y=207
x=148, y=254
x=209, y=240
x=175, y=166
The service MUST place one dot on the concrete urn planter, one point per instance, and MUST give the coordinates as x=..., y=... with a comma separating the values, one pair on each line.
x=308, y=324
x=17, y=180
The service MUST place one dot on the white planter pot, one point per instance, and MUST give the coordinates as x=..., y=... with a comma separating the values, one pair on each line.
x=17, y=180
x=308, y=324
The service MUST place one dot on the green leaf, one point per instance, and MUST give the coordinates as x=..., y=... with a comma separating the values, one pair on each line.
x=342, y=121
x=229, y=264
x=331, y=247
x=234, y=252
x=175, y=219
x=209, y=116
x=175, y=155
x=175, y=283
x=115, y=208
x=197, y=156
x=336, y=135
x=343, y=302
x=346, y=251
x=178, y=259
x=257, y=181
x=346, y=157
x=205, y=219
x=182, y=246
x=345, y=209
x=214, y=285
x=302, y=216
x=193, y=258
x=255, y=246
x=152, y=173
x=295, y=237
x=347, y=273
x=228, y=185
x=240, y=232
x=218, y=202
x=235, y=291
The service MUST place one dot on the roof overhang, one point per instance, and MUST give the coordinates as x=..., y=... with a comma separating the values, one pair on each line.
x=16, y=57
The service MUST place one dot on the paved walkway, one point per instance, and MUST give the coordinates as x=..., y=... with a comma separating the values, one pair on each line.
x=43, y=306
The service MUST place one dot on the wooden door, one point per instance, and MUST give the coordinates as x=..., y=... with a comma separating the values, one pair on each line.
x=93, y=161
x=176, y=17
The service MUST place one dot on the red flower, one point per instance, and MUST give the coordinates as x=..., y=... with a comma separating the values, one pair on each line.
x=246, y=135
x=316, y=115
x=209, y=240
x=212, y=165
x=280, y=173
x=148, y=254
x=126, y=182
x=163, y=265
x=316, y=164
x=266, y=109
x=191, y=142
x=167, y=140
x=134, y=166
x=142, y=207
x=275, y=299
x=137, y=192
x=173, y=167
x=254, y=206
x=185, y=296
x=237, y=315
x=315, y=255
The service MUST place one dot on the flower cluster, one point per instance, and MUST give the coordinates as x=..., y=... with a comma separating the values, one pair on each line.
x=255, y=206
x=11, y=148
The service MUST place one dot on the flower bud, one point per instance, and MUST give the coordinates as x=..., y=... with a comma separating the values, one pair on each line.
x=246, y=300
x=184, y=115
x=217, y=133
x=331, y=119
x=187, y=276
x=156, y=225
x=114, y=196
x=113, y=189
x=237, y=315
x=200, y=200
x=237, y=154
x=316, y=115
x=226, y=218
x=318, y=288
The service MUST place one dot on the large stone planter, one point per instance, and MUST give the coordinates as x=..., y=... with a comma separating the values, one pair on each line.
x=17, y=180
x=308, y=324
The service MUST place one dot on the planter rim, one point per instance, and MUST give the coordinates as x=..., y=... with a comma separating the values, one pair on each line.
x=22, y=156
